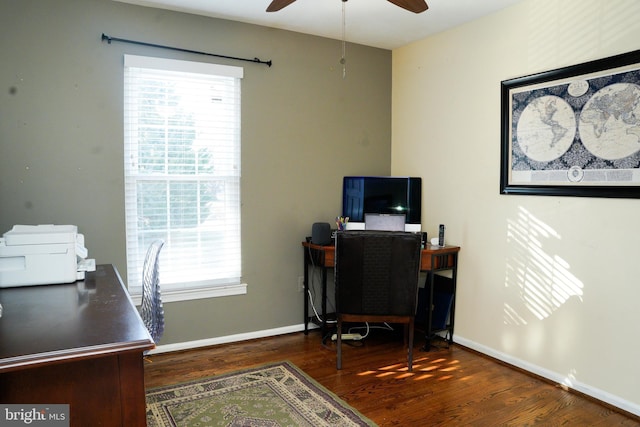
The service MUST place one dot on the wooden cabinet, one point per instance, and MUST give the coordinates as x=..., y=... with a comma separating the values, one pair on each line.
x=80, y=344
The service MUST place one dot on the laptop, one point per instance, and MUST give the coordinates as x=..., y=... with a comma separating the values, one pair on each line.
x=384, y=222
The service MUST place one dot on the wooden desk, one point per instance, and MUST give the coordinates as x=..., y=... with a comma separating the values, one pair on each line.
x=80, y=344
x=432, y=260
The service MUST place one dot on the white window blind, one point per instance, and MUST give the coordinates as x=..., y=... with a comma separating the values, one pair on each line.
x=182, y=171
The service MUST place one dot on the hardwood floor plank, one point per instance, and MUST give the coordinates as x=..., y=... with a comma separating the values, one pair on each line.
x=448, y=385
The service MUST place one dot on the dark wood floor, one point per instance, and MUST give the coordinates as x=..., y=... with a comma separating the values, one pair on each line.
x=448, y=386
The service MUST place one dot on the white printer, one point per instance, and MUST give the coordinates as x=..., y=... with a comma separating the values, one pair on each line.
x=42, y=254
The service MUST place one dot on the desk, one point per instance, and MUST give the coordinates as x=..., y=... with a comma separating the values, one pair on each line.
x=323, y=257
x=80, y=344
x=432, y=260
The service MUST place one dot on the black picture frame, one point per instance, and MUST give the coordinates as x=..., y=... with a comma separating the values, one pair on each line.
x=573, y=131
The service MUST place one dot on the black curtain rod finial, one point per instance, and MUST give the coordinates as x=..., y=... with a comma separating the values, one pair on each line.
x=109, y=39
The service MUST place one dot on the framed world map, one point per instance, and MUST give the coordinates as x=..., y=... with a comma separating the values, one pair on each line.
x=573, y=131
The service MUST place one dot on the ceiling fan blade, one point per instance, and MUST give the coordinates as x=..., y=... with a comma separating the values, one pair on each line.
x=276, y=5
x=415, y=6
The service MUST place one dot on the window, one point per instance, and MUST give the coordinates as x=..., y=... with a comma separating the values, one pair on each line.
x=182, y=174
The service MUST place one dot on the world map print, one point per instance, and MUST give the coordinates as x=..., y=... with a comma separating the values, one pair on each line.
x=577, y=131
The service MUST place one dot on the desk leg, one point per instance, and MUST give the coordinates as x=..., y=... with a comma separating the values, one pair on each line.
x=324, y=300
x=306, y=291
x=430, y=284
x=452, y=312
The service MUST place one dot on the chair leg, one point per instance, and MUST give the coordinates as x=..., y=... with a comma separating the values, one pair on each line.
x=339, y=343
x=411, y=344
x=405, y=333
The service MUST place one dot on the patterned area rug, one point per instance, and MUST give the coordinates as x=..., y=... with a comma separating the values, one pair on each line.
x=278, y=394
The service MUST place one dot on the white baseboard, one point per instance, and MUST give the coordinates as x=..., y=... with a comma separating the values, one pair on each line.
x=229, y=338
x=596, y=393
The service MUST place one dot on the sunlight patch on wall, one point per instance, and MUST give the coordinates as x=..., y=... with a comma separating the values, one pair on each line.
x=512, y=317
x=561, y=33
x=542, y=278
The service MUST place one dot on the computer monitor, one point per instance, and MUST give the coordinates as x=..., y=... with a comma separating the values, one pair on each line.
x=388, y=195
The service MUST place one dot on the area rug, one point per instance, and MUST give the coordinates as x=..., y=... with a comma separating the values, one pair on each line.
x=278, y=394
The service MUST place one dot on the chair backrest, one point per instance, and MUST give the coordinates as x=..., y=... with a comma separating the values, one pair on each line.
x=152, y=310
x=377, y=272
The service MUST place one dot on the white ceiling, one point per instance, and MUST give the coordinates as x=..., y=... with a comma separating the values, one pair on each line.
x=376, y=23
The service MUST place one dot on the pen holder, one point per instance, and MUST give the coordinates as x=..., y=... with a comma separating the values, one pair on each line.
x=341, y=222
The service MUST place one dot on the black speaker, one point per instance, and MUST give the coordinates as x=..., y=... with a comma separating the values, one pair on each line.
x=321, y=233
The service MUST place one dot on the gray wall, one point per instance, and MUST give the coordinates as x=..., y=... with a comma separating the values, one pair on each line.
x=303, y=128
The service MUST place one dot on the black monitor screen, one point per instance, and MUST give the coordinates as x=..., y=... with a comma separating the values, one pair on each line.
x=382, y=195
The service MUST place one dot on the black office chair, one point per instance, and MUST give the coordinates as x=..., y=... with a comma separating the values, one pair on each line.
x=376, y=276
x=152, y=310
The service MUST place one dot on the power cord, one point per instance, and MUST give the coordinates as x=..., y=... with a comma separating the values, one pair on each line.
x=366, y=326
x=316, y=311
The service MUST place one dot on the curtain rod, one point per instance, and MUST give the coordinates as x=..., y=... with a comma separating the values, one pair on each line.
x=109, y=39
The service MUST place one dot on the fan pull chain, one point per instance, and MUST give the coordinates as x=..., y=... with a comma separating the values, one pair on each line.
x=343, y=60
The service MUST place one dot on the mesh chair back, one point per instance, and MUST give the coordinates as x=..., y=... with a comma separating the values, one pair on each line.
x=152, y=310
x=377, y=272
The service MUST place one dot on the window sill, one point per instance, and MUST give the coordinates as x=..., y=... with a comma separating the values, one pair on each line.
x=201, y=293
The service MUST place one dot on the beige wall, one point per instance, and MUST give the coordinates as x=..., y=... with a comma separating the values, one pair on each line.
x=547, y=283
x=303, y=129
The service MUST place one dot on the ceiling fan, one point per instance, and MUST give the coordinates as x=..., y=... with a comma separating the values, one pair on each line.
x=415, y=6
